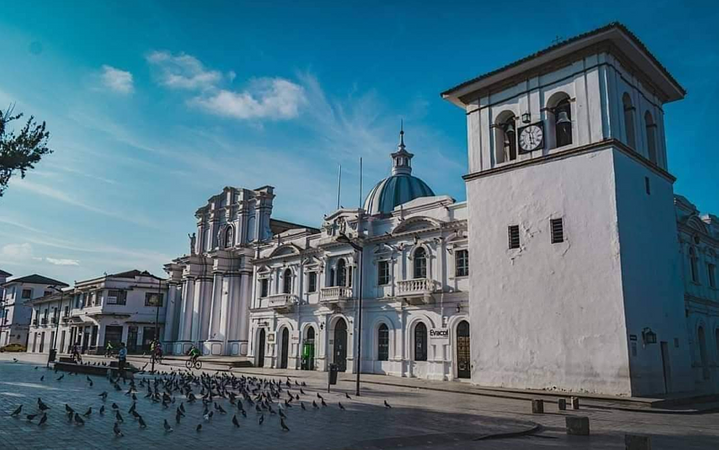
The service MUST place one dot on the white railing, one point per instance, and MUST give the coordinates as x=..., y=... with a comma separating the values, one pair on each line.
x=280, y=301
x=415, y=286
x=335, y=294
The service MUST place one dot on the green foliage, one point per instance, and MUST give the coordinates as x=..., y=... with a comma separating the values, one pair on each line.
x=21, y=151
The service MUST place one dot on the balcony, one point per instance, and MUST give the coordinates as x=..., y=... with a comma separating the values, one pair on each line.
x=335, y=295
x=416, y=290
x=281, y=302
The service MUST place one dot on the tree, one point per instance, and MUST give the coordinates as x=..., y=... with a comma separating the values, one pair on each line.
x=22, y=151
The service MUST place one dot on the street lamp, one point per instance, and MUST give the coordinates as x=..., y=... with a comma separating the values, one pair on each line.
x=156, y=299
x=53, y=351
x=358, y=248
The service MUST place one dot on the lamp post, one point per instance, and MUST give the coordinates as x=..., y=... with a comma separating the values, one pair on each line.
x=57, y=322
x=157, y=300
x=358, y=248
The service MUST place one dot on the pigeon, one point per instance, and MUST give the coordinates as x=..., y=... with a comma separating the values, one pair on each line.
x=386, y=405
x=116, y=430
x=114, y=406
x=103, y=395
x=41, y=405
x=323, y=403
x=61, y=377
x=30, y=416
x=314, y=404
x=282, y=424
x=341, y=407
x=118, y=417
x=347, y=396
x=199, y=428
x=302, y=392
x=167, y=426
x=89, y=411
x=141, y=421
x=89, y=380
x=235, y=422
x=302, y=405
x=43, y=419
x=68, y=408
x=78, y=419
x=178, y=416
x=262, y=419
x=42, y=378
x=17, y=411
x=319, y=396
x=221, y=410
x=14, y=360
x=102, y=410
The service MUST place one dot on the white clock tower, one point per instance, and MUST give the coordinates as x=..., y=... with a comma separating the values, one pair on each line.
x=576, y=280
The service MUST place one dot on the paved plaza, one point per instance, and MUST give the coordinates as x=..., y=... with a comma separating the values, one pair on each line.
x=418, y=419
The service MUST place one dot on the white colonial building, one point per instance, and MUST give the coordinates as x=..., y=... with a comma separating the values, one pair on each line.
x=407, y=249
x=571, y=213
x=15, y=314
x=121, y=307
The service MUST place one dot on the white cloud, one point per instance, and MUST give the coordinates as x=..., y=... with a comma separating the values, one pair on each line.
x=17, y=251
x=271, y=98
x=117, y=80
x=63, y=262
x=183, y=71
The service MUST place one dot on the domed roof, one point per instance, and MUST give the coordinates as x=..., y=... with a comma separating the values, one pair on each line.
x=401, y=187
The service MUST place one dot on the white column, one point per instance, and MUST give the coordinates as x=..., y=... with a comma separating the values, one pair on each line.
x=242, y=313
x=170, y=312
x=214, y=332
x=185, y=325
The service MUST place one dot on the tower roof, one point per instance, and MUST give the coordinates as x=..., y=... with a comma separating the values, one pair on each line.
x=400, y=187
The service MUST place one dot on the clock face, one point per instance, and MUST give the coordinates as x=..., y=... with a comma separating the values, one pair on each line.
x=531, y=137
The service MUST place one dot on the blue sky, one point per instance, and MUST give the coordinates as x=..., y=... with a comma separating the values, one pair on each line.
x=155, y=106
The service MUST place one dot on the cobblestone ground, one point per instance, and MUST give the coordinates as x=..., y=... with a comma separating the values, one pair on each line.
x=360, y=425
x=419, y=419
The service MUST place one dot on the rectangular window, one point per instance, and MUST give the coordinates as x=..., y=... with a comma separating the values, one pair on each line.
x=116, y=297
x=513, y=231
x=26, y=293
x=557, y=230
x=383, y=273
x=461, y=263
x=312, y=282
x=647, y=187
x=264, y=287
x=153, y=299
x=711, y=269
x=383, y=343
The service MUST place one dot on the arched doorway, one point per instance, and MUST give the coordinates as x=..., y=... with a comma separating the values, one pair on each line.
x=463, y=354
x=308, y=350
x=284, y=349
x=340, y=345
x=261, y=349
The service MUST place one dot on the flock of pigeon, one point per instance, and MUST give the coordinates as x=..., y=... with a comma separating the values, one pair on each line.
x=253, y=395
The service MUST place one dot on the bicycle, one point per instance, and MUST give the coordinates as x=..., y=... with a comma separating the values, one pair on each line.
x=193, y=362
x=157, y=358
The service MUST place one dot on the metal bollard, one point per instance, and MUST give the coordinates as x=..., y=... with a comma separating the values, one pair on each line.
x=577, y=425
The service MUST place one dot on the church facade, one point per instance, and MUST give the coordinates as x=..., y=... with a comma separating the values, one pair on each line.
x=571, y=266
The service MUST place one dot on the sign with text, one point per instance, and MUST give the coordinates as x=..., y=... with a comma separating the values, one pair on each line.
x=439, y=335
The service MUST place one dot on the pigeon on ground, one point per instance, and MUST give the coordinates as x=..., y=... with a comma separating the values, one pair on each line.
x=341, y=407
x=347, y=396
x=167, y=426
x=262, y=419
x=323, y=403
x=314, y=404
x=386, y=405
x=116, y=430
x=282, y=424
x=319, y=396
x=103, y=395
x=78, y=419
x=302, y=405
x=17, y=411
x=43, y=419
x=89, y=411
x=41, y=405
x=199, y=428
x=141, y=421
x=235, y=422
x=68, y=408
x=30, y=416
x=61, y=377
x=14, y=360
x=102, y=410
x=114, y=406
x=42, y=378
x=118, y=417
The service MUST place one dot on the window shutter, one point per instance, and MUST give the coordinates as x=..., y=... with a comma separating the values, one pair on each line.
x=513, y=232
x=557, y=230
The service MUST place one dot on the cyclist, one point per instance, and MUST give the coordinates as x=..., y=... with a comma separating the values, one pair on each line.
x=156, y=350
x=194, y=353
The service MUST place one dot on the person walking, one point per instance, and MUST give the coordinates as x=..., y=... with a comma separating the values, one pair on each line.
x=121, y=359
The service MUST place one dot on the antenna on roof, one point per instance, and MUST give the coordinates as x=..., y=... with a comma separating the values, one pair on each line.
x=360, y=186
x=339, y=185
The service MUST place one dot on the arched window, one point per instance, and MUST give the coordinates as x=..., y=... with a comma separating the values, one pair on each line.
x=693, y=263
x=383, y=343
x=251, y=229
x=341, y=273
x=651, y=129
x=703, y=353
x=506, y=138
x=420, y=342
x=229, y=236
x=420, y=263
x=629, y=120
x=287, y=282
x=563, y=123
